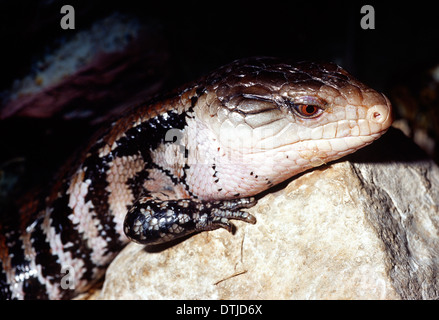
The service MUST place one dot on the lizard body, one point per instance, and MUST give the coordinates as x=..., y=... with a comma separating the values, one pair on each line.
x=185, y=163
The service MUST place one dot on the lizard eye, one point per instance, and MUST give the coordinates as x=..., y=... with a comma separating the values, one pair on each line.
x=307, y=110
x=307, y=107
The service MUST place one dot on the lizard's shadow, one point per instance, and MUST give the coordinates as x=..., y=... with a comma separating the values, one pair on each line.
x=156, y=248
x=393, y=146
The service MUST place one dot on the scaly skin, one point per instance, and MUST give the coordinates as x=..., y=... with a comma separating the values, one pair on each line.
x=186, y=163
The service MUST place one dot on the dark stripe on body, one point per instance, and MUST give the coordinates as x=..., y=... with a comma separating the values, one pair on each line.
x=135, y=184
x=5, y=290
x=11, y=232
x=69, y=234
x=50, y=269
x=95, y=169
x=34, y=290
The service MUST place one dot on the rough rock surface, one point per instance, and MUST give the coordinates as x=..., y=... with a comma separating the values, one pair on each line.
x=365, y=228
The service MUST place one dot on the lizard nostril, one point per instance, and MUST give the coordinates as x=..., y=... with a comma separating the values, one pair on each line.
x=378, y=114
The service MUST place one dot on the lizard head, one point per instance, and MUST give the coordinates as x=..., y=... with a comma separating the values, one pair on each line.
x=279, y=118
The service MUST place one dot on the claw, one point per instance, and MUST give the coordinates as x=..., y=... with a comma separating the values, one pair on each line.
x=236, y=203
x=221, y=223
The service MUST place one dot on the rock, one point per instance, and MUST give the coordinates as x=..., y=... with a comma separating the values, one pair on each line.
x=401, y=193
x=365, y=228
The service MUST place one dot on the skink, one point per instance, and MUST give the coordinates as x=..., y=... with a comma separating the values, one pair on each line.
x=190, y=161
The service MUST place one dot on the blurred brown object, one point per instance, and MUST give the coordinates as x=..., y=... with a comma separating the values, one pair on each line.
x=416, y=100
x=93, y=75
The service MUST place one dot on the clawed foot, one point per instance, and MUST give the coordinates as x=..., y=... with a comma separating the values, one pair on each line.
x=152, y=222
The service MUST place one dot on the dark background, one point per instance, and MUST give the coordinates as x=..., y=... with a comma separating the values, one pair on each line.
x=202, y=35
x=205, y=34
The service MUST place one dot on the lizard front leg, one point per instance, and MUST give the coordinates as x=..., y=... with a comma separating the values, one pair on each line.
x=152, y=221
